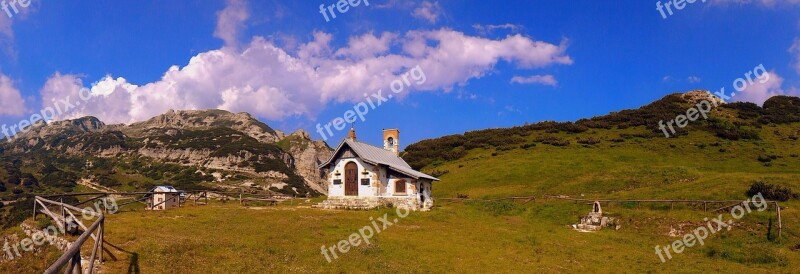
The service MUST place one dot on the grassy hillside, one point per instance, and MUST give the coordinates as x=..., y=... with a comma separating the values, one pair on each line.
x=619, y=156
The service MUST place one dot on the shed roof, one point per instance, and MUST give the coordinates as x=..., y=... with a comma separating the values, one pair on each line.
x=164, y=189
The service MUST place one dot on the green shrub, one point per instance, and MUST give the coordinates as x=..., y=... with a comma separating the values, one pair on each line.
x=528, y=145
x=43, y=222
x=588, y=141
x=771, y=192
x=765, y=158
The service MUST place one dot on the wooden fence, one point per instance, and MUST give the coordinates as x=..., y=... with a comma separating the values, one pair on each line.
x=72, y=257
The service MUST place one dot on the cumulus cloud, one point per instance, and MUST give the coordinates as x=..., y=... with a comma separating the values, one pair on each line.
x=110, y=97
x=428, y=11
x=271, y=82
x=760, y=92
x=230, y=21
x=367, y=45
x=11, y=101
x=548, y=80
x=795, y=51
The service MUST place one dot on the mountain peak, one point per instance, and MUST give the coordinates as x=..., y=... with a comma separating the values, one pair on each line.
x=302, y=134
x=697, y=96
x=207, y=119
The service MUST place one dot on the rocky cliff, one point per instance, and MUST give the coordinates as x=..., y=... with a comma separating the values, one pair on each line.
x=226, y=148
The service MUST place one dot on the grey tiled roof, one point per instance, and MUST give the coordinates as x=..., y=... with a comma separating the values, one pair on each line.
x=379, y=156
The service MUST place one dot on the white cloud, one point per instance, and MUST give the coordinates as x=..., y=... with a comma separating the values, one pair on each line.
x=428, y=11
x=11, y=102
x=274, y=83
x=111, y=97
x=694, y=79
x=548, y=80
x=795, y=50
x=367, y=45
x=666, y=78
x=230, y=22
x=489, y=29
x=760, y=92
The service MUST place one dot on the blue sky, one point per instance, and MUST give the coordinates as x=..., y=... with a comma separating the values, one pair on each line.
x=282, y=62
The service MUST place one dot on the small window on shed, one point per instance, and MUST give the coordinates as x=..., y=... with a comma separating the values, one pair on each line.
x=400, y=186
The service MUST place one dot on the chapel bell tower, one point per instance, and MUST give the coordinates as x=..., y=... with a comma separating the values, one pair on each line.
x=391, y=140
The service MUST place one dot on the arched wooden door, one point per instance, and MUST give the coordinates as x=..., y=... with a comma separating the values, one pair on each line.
x=351, y=179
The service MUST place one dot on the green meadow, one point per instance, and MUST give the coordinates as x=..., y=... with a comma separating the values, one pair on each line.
x=482, y=235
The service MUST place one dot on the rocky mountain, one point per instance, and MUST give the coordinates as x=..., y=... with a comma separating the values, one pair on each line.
x=189, y=149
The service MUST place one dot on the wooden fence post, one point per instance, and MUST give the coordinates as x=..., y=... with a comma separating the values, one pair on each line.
x=780, y=226
x=63, y=219
x=102, y=237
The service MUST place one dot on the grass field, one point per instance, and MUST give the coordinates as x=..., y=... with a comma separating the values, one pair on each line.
x=456, y=237
x=498, y=237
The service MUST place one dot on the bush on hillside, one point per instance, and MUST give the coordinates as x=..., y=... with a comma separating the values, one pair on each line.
x=20, y=211
x=767, y=158
x=745, y=110
x=732, y=130
x=14, y=180
x=29, y=180
x=771, y=192
x=588, y=141
x=781, y=110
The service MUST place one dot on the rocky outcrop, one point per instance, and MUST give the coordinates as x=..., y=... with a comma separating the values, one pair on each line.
x=697, y=96
x=204, y=119
x=595, y=221
x=308, y=154
x=211, y=139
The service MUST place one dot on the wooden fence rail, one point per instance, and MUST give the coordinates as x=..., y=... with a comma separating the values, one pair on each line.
x=72, y=257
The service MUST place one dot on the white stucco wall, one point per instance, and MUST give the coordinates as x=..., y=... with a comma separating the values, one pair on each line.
x=380, y=184
x=363, y=190
x=158, y=198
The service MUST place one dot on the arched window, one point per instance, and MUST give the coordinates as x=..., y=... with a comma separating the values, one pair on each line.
x=390, y=141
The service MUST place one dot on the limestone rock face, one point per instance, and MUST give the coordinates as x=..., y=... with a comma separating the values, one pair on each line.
x=205, y=119
x=210, y=139
x=697, y=96
x=308, y=154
